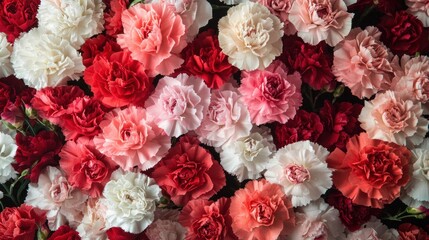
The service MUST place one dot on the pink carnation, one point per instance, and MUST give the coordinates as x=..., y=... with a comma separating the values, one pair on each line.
x=362, y=62
x=318, y=20
x=179, y=104
x=154, y=34
x=281, y=9
x=271, y=94
x=261, y=211
x=420, y=9
x=130, y=138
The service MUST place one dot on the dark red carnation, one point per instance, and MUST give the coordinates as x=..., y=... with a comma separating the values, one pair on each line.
x=205, y=59
x=118, y=80
x=13, y=111
x=65, y=233
x=119, y=234
x=312, y=62
x=17, y=16
x=37, y=152
x=304, y=126
x=20, y=222
x=408, y=231
x=403, y=33
x=383, y=6
x=83, y=117
x=188, y=172
x=112, y=16
x=99, y=45
x=340, y=122
x=352, y=215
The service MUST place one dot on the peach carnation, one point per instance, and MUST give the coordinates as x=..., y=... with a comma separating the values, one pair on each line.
x=362, y=62
x=155, y=36
x=261, y=211
x=318, y=20
x=131, y=139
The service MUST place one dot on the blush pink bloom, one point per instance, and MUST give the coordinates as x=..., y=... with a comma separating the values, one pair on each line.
x=261, y=211
x=131, y=139
x=281, y=9
x=318, y=20
x=387, y=117
x=226, y=120
x=179, y=104
x=362, y=62
x=271, y=94
x=420, y=9
x=155, y=36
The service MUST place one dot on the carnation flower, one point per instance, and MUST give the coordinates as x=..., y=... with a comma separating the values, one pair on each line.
x=362, y=62
x=112, y=17
x=226, y=120
x=74, y=20
x=130, y=200
x=179, y=104
x=318, y=20
x=251, y=36
x=207, y=220
x=5, y=51
x=374, y=229
x=416, y=192
x=271, y=94
x=301, y=169
x=371, y=172
x=93, y=224
x=20, y=222
x=65, y=232
x=45, y=60
x=101, y=45
x=7, y=157
x=53, y=193
x=189, y=172
x=281, y=9
x=420, y=9
x=247, y=157
x=148, y=42
x=411, y=79
x=131, y=138
x=165, y=230
x=410, y=231
x=389, y=118
x=86, y=167
x=195, y=14
x=261, y=211
x=317, y=220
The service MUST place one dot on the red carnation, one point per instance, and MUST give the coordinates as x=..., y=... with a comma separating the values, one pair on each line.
x=65, y=233
x=99, y=45
x=20, y=222
x=408, y=231
x=119, y=234
x=17, y=16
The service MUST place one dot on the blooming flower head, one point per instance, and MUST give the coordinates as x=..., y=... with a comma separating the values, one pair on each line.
x=420, y=9
x=93, y=223
x=131, y=138
x=318, y=20
x=165, y=230
x=301, y=169
x=251, y=36
x=7, y=157
x=5, y=51
x=45, y=60
x=281, y=9
x=247, y=157
x=271, y=94
x=362, y=62
x=371, y=172
x=74, y=20
x=20, y=222
x=227, y=118
x=261, y=211
x=179, y=104
x=374, y=230
x=389, y=118
x=154, y=34
x=130, y=199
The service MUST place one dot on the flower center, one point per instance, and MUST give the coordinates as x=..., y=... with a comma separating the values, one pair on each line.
x=209, y=226
x=263, y=211
x=395, y=118
x=297, y=174
x=421, y=88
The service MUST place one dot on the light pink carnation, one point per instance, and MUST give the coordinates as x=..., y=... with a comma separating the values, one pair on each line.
x=411, y=79
x=271, y=94
x=389, y=118
x=281, y=9
x=131, y=138
x=179, y=104
x=420, y=9
x=226, y=120
x=154, y=34
x=362, y=62
x=318, y=20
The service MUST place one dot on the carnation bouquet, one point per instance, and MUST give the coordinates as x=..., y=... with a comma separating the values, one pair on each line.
x=207, y=119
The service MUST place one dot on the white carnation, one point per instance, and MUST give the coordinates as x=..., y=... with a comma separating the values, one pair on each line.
x=7, y=154
x=373, y=229
x=131, y=201
x=302, y=170
x=5, y=51
x=93, y=224
x=45, y=60
x=247, y=157
x=75, y=20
